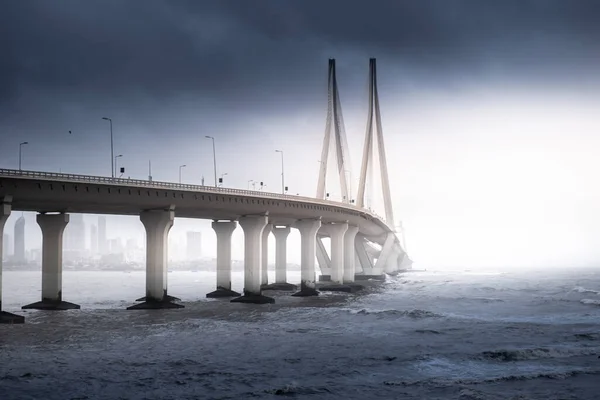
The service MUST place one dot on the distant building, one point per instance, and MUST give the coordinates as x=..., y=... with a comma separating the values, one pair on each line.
x=94, y=239
x=19, y=252
x=102, y=242
x=75, y=233
x=116, y=246
x=6, y=246
x=194, y=245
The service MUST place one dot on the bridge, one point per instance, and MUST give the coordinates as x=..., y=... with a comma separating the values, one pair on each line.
x=363, y=244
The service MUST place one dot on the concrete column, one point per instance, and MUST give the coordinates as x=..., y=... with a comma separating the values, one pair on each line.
x=308, y=237
x=53, y=227
x=224, y=230
x=5, y=208
x=337, y=233
x=157, y=224
x=281, y=235
x=264, y=269
x=349, y=253
x=253, y=227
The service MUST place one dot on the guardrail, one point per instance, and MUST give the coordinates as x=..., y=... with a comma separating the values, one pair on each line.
x=53, y=176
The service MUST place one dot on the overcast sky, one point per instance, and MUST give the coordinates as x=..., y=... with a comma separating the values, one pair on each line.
x=489, y=107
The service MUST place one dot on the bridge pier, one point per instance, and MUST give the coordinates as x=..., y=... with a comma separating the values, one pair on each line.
x=6, y=317
x=337, y=233
x=281, y=235
x=308, y=238
x=157, y=223
x=53, y=227
x=264, y=269
x=253, y=226
x=350, y=253
x=224, y=230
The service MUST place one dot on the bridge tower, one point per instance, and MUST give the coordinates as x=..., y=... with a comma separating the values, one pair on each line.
x=372, y=256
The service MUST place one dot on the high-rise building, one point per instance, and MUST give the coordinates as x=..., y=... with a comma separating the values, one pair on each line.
x=102, y=242
x=94, y=239
x=194, y=245
x=75, y=233
x=6, y=246
x=19, y=253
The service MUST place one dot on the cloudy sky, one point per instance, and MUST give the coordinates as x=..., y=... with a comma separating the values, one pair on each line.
x=489, y=107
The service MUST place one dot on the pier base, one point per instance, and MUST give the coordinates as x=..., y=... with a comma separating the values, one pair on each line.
x=155, y=305
x=347, y=288
x=222, y=292
x=253, y=298
x=306, y=291
x=48, y=305
x=9, y=318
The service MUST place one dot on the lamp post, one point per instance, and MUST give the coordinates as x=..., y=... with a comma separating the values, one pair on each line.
x=282, y=173
x=116, y=169
x=349, y=185
x=112, y=150
x=214, y=158
x=249, y=182
x=221, y=180
x=21, y=152
x=180, y=167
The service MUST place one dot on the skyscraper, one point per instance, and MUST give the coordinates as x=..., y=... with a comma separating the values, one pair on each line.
x=94, y=239
x=194, y=245
x=19, y=253
x=75, y=233
x=102, y=243
x=6, y=246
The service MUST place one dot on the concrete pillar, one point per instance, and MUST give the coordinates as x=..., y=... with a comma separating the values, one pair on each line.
x=253, y=226
x=157, y=224
x=350, y=253
x=264, y=269
x=53, y=227
x=308, y=237
x=337, y=233
x=281, y=234
x=5, y=208
x=224, y=230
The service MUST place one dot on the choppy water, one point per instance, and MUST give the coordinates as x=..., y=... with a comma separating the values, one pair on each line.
x=446, y=335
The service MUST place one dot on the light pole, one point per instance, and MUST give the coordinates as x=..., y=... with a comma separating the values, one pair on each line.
x=112, y=150
x=282, y=174
x=249, y=182
x=349, y=185
x=214, y=157
x=221, y=180
x=21, y=152
x=116, y=157
x=181, y=166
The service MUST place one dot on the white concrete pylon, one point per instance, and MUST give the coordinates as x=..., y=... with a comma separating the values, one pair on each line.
x=253, y=226
x=157, y=224
x=350, y=253
x=224, y=230
x=336, y=233
x=5, y=209
x=308, y=237
x=281, y=235
x=264, y=269
x=53, y=227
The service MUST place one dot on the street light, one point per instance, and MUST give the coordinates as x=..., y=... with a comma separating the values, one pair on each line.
x=112, y=150
x=249, y=182
x=181, y=166
x=20, y=152
x=282, y=175
x=214, y=157
x=117, y=169
x=221, y=180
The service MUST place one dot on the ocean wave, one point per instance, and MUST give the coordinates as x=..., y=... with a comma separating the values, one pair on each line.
x=537, y=353
x=580, y=289
x=416, y=314
x=594, y=302
x=481, y=299
x=294, y=390
x=441, y=382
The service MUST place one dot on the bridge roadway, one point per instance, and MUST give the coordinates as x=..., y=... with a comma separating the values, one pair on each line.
x=55, y=195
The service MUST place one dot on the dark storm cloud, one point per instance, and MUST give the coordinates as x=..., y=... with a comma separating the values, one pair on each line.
x=247, y=50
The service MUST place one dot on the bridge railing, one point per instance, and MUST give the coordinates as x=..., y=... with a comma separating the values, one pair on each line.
x=54, y=176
